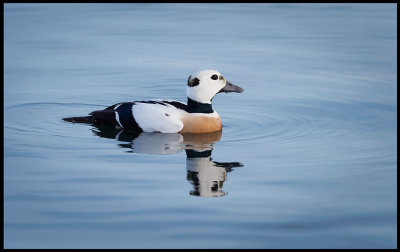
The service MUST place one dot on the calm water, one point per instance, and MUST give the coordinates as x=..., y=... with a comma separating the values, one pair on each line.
x=306, y=158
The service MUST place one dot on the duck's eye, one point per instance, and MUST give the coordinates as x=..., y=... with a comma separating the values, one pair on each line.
x=214, y=77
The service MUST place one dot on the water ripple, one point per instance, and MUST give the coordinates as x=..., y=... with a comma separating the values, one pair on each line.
x=43, y=118
x=343, y=128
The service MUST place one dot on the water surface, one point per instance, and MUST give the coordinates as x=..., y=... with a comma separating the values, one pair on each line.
x=307, y=157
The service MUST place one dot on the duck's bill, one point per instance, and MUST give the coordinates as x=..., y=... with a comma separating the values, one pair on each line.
x=229, y=87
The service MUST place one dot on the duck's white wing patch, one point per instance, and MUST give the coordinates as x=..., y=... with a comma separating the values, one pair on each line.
x=157, y=117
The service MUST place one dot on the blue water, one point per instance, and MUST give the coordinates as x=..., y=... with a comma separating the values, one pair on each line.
x=307, y=157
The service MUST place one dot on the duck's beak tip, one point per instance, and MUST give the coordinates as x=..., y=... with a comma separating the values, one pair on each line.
x=229, y=87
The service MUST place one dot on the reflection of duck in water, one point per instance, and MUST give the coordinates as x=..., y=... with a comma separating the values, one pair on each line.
x=206, y=176
x=168, y=116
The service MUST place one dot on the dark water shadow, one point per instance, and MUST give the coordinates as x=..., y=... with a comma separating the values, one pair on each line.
x=206, y=176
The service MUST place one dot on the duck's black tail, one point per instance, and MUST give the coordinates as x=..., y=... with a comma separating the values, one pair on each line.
x=81, y=119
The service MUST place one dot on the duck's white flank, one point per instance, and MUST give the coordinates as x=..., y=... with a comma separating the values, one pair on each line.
x=156, y=117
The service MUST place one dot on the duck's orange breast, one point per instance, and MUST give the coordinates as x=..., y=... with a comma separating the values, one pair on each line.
x=201, y=123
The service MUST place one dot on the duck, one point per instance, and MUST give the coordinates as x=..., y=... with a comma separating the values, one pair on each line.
x=169, y=116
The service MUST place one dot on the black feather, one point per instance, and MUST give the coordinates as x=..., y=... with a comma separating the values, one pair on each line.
x=176, y=104
x=81, y=119
x=193, y=82
x=106, y=115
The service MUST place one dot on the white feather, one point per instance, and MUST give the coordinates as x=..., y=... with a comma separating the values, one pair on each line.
x=207, y=88
x=157, y=117
x=117, y=118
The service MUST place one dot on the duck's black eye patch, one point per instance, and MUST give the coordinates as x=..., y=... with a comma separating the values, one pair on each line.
x=214, y=77
x=194, y=82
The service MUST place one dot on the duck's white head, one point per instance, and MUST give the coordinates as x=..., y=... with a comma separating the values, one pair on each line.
x=204, y=85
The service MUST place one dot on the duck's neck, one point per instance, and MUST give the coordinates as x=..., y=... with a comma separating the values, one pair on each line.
x=198, y=107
